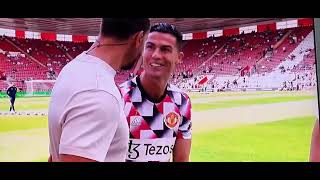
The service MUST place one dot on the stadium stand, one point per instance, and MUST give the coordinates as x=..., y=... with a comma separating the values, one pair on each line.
x=241, y=60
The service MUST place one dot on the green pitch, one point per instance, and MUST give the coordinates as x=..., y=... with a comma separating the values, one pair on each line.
x=285, y=140
x=25, y=138
x=25, y=104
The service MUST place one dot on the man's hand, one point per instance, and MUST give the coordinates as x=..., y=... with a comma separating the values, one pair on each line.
x=181, y=151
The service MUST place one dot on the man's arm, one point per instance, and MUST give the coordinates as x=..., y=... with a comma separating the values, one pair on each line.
x=72, y=158
x=89, y=128
x=315, y=143
x=8, y=91
x=182, y=147
x=181, y=150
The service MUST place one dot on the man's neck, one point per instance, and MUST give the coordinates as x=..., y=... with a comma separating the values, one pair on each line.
x=113, y=55
x=155, y=88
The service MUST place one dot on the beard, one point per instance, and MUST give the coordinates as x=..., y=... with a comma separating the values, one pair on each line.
x=127, y=67
x=131, y=64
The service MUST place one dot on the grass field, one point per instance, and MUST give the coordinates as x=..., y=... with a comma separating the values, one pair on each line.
x=266, y=136
x=285, y=140
x=247, y=102
x=22, y=104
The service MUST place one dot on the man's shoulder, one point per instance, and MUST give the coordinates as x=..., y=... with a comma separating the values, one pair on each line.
x=83, y=75
x=177, y=95
x=76, y=65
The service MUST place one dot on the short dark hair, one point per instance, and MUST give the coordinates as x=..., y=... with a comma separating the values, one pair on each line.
x=170, y=29
x=123, y=28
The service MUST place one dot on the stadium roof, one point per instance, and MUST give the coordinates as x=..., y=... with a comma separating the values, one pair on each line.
x=90, y=26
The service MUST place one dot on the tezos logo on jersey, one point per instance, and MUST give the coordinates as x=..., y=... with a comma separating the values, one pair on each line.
x=172, y=119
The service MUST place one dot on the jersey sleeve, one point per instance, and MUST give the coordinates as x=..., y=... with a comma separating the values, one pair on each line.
x=185, y=127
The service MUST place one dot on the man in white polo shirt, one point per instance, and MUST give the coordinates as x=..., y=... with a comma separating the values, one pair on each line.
x=315, y=139
x=86, y=118
x=315, y=143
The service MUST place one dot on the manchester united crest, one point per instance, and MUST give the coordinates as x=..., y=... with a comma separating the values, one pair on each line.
x=172, y=119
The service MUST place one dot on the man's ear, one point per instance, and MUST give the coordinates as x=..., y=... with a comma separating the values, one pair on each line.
x=139, y=39
x=180, y=57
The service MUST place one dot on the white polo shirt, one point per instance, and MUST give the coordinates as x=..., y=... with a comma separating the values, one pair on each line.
x=86, y=115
